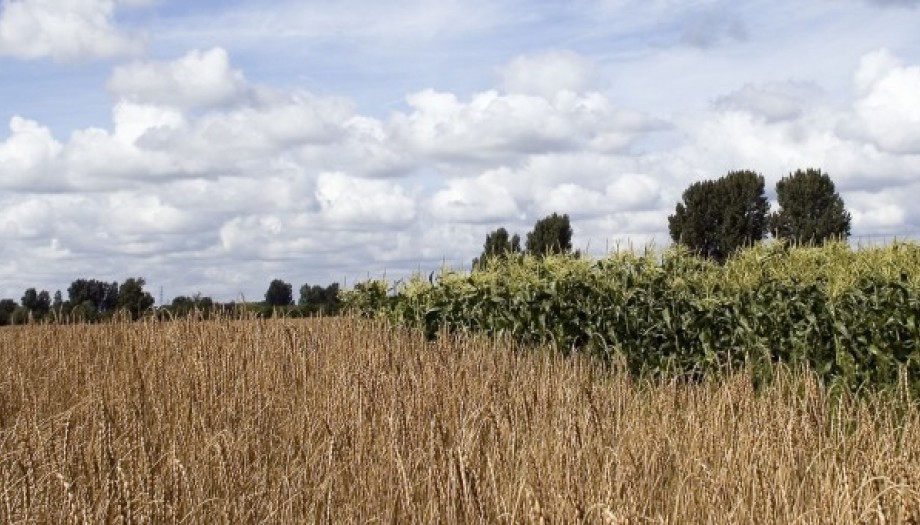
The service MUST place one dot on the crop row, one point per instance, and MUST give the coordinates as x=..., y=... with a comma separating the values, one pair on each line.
x=850, y=315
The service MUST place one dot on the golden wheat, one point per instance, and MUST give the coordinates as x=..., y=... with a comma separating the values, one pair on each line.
x=342, y=420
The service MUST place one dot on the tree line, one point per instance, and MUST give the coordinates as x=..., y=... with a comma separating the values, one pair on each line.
x=714, y=218
x=92, y=300
x=550, y=235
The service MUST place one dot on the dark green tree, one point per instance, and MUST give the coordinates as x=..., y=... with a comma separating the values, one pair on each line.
x=499, y=243
x=132, y=297
x=39, y=303
x=7, y=307
x=550, y=235
x=103, y=296
x=183, y=305
x=58, y=303
x=279, y=293
x=718, y=217
x=811, y=210
x=21, y=315
x=318, y=299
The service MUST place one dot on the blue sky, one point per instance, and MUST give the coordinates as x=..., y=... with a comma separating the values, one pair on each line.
x=213, y=146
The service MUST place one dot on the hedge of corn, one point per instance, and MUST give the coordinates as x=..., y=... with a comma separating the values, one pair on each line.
x=853, y=316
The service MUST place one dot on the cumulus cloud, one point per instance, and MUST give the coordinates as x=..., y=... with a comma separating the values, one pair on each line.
x=547, y=74
x=496, y=127
x=198, y=79
x=350, y=202
x=64, y=30
x=193, y=173
x=888, y=110
x=484, y=199
x=29, y=156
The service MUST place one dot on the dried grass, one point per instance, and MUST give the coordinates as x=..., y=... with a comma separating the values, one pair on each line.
x=342, y=420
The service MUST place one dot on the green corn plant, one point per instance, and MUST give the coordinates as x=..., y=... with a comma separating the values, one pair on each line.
x=853, y=316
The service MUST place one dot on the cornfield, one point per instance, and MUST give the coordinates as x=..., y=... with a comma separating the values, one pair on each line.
x=852, y=316
x=357, y=421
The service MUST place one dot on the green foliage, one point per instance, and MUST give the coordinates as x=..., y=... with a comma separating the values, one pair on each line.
x=853, y=316
x=811, y=210
x=718, y=217
x=101, y=295
x=183, y=306
x=551, y=235
x=85, y=312
x=498, y=244
x=58, y=303
x=279, y=293
x=38, y=303
x=367, y=299
x=7, y=307
x=132, y=297
x=21, y=315
x=319, y=300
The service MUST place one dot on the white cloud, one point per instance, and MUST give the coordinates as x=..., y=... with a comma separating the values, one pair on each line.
x=888, y=112
x=28, y=156
x=483, y=199
x=135, y=213
x=25, y=219
x=198, y=79
x=64, y=30
x=496, y=127
x=351, y=202
x=547, y=74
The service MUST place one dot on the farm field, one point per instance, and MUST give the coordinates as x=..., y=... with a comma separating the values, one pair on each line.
x=350, y=420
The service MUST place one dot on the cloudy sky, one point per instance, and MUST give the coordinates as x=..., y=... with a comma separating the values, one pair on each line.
x=213, y=145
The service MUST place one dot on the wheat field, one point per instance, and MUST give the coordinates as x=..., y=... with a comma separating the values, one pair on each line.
x=351, y=421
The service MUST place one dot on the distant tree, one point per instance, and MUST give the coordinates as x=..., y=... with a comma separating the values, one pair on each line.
x=718, y=217
x=550, y=235
x=38, y=303
x=58, y=303
x=101, y=295
x=29, y=298
x=498, y=244
x=279, y=293
x=181, y=301
x=7, y=307
x=317, y=299
x=183, y=305
x=811, y=210
x=85, y=311
x=133, y=298
x=21, y=315
x=44, y=302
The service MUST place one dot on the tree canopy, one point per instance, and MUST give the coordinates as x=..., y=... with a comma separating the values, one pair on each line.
x=7, y=307
x=279, y=293
x=811, y=210
x=550, y=235
x=39, y=303
x=719, y=216
x=102, y=296
x=133, y=298
x=316, y=298
x=499, y=243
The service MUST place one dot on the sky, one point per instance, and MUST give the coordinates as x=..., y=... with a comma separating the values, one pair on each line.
x=212, y=146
